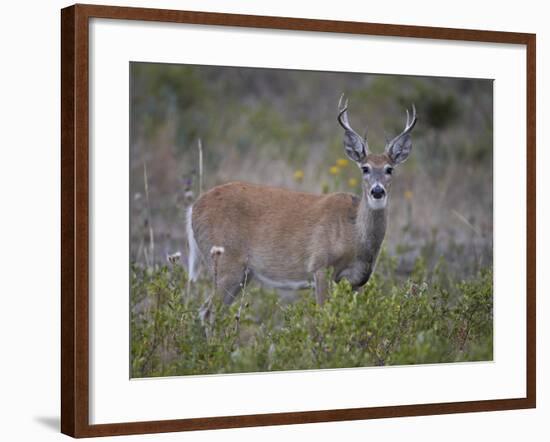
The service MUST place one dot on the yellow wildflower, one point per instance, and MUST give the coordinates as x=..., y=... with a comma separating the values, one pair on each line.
x=299, y=175
x=352, y=182
x=408, y=194
x=334, y=170
x=342, y=162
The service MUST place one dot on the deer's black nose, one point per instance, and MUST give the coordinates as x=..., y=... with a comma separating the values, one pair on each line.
x=377, y=192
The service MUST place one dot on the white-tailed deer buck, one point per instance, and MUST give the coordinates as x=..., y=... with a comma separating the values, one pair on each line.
x=288, y=239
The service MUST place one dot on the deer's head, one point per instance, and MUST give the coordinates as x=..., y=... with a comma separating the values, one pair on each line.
x=377, y=169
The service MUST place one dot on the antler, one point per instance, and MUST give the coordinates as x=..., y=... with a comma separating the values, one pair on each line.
x=408, y=127
x=344, y=120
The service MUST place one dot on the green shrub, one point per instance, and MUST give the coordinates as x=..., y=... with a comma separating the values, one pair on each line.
x=427, y=318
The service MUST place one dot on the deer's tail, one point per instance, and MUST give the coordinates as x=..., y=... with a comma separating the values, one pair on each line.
x=193, y=255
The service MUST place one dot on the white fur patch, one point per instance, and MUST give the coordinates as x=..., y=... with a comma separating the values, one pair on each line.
x=284, y=284
x=193, y=258
x=377, y=204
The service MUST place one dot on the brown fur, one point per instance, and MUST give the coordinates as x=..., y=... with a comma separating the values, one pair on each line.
x=286, y=236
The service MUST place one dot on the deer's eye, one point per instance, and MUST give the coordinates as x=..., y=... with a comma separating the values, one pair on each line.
x=366, y=169
x=389, y=170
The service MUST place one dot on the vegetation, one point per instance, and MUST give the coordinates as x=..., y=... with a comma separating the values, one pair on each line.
x=430, y=298
x=427, y=318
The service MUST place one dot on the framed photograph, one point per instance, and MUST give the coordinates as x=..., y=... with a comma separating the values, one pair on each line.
x=239, y=250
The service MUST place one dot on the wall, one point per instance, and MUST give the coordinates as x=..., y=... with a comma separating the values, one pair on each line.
x=29, y=183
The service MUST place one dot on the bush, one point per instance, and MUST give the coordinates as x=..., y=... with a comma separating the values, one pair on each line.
x=428, y=318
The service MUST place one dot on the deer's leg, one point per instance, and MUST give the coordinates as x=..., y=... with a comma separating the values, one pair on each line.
x=230, y=273
x=230, y=286
x=321, y=286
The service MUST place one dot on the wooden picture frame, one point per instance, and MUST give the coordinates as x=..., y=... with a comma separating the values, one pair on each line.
x=75, y=247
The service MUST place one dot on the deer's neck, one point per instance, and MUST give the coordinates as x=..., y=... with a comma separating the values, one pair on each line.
x=371, y=226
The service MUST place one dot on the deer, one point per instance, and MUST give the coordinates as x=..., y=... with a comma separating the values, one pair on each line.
x=293, y=240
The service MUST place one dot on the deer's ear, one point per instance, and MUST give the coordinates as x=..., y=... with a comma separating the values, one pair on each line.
x=355, y=147
x=400, y=149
